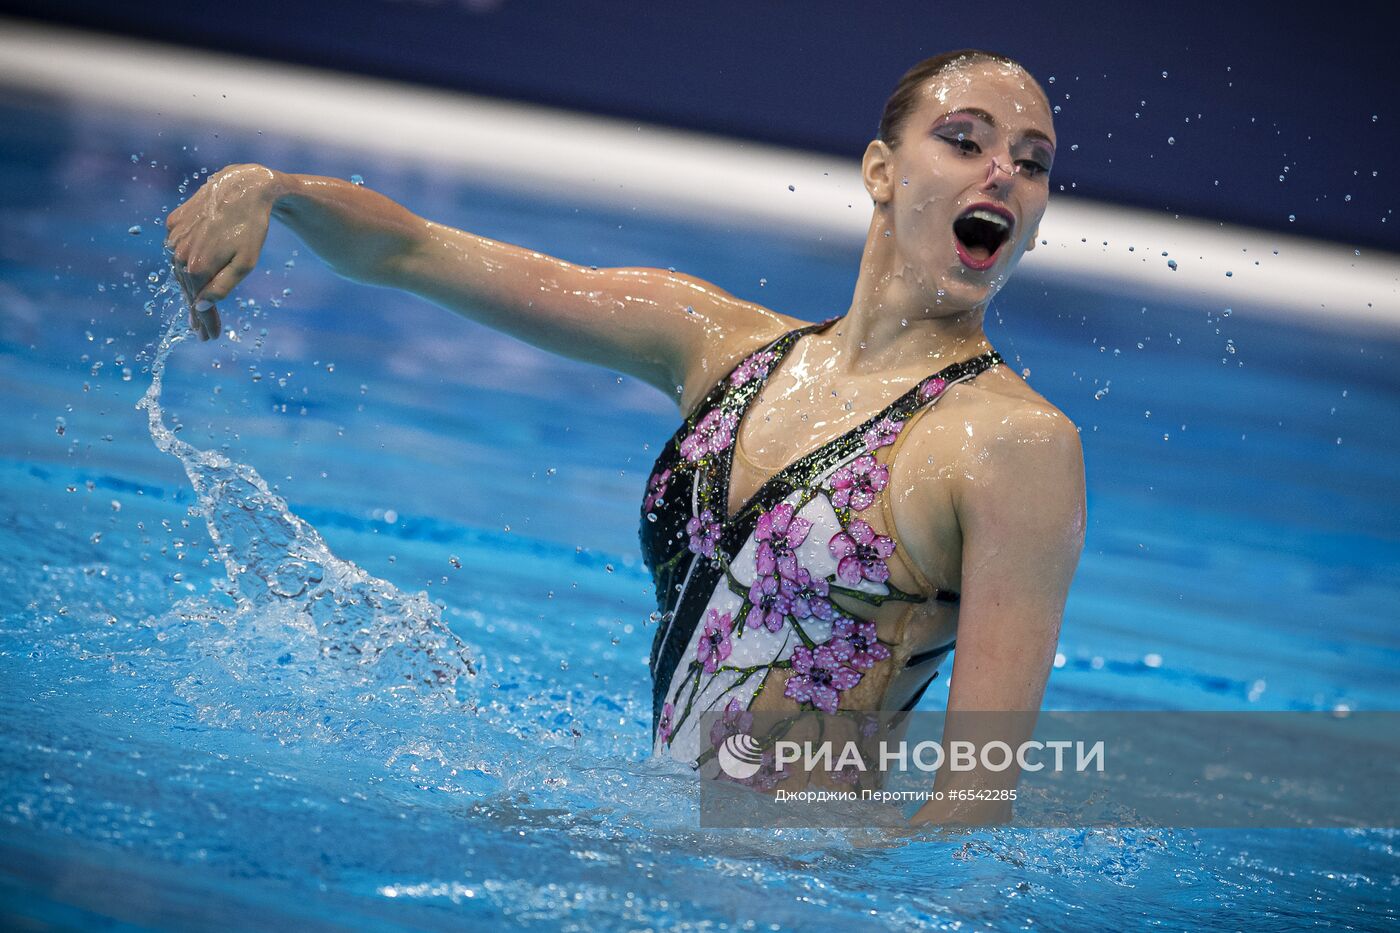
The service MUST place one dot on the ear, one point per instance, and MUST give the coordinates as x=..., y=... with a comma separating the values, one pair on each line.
x=877, y=170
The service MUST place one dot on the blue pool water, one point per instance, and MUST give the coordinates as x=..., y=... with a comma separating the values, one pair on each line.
x=182, y=749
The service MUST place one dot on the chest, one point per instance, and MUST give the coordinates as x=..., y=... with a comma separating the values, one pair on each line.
x=801, y=410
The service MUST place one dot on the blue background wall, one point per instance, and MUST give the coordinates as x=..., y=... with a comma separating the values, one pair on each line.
x=1252, y=91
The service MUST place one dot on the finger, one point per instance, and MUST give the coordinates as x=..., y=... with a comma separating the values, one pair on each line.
x=201, y=269
x=208, y=316
x=220, y=284
x=182, y=278
x=217, y=290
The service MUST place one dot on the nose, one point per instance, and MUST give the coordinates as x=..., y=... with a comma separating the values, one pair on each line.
x=997, y=173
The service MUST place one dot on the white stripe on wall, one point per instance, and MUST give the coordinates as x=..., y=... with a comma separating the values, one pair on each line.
x=709, y=179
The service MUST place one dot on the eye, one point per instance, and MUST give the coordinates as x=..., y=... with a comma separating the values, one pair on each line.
x=1032, y=167
x=961, y=143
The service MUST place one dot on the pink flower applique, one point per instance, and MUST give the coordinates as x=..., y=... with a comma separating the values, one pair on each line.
x=770, y=605
x=755, y=367
x=932, y=388
x=862, y=647
x=860, y=554
x=883, y=434
x=663, y=730
x=656, y=488
x=714, y=433
x=769, y=774
x=736, y=721
x=714, y=644
x=819, y=677
x=704, y=533
x=806, y=596
x=779, y=533
x=857, y=483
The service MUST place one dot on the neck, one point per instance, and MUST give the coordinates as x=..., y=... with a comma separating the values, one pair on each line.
x=897, y=319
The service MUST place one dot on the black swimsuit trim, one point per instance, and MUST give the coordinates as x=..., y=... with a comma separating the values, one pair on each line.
x=925, y=656
x=673, y=634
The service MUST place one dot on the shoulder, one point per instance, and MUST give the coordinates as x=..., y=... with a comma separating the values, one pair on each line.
x=999, y=442
x=727, y=340
x=1015, y=432
x=997, y=413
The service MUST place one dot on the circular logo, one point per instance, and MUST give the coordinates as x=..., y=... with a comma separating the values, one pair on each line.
x=740, y=756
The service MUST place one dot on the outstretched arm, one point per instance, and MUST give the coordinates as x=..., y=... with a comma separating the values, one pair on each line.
x=1022, y=511
x=649, y=323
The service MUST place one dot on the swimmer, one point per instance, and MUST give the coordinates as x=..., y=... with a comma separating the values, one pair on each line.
x=844, y=501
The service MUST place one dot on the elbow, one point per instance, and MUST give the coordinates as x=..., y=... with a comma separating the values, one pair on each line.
x=393, y=265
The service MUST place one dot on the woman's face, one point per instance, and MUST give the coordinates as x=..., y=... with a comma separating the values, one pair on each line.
x=982, y=134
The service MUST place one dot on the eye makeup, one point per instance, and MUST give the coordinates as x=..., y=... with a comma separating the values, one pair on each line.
x=961, y=123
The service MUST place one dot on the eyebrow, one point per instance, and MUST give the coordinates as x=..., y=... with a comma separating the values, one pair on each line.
x=992, y=121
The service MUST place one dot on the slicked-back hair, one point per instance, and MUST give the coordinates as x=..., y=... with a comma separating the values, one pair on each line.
x=905, y=98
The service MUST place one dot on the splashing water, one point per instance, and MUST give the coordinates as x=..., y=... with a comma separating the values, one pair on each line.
x=292, y=591
x=318, y=654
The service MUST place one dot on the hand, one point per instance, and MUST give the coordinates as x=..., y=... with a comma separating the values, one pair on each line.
x=215, y=238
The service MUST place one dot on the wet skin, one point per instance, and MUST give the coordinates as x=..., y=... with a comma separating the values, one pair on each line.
x=987, y=494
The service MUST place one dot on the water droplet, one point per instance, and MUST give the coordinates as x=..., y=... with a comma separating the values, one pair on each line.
x=456, y=564
x=1171, y=264
x=1292, y=218
x=135, y=229
x=608, y=568
x=1171, y=140
x=60, y=426
x=357, y=180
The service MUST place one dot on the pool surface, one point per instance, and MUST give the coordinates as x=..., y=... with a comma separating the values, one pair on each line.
x=187, y=748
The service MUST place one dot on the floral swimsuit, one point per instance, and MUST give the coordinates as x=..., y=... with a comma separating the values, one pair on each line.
x=786, y=593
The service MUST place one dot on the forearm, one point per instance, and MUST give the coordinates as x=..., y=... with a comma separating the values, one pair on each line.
x=545, y=301
x=359, y=233
x=641, y=321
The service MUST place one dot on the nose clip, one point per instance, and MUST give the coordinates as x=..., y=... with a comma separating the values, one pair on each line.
x=997, y=167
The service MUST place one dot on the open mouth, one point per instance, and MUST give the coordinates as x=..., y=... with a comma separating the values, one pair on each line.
x=979, y=234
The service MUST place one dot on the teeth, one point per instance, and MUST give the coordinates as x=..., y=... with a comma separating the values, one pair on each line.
x=990, y=217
